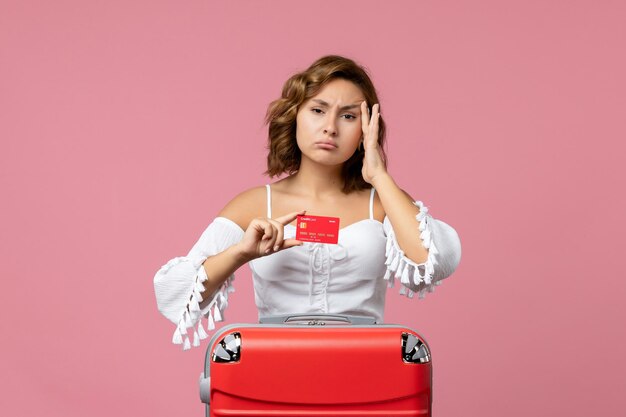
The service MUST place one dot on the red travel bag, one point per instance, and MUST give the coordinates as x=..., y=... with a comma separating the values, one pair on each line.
x=317, y=365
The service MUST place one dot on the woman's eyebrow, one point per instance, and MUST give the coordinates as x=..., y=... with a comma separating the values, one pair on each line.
x=348, y=107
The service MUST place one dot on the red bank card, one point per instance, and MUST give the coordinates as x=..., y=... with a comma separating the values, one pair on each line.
x=318, y=229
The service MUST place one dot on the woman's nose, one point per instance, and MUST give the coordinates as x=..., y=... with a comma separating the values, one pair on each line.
x=331, y=127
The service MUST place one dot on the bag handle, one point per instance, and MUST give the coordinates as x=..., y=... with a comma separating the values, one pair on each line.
x=318, y=319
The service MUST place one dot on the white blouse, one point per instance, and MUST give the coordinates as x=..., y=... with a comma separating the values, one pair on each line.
x=350, y=277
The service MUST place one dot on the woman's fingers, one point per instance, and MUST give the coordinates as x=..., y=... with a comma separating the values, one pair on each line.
x=280, y=222
x=288, y=218
x=290, y=243
x=372, y=137
x=375, y=115
x=369, y=123
x=269, y=236
x=276, y=241
x=365, y=117
x=268, y=231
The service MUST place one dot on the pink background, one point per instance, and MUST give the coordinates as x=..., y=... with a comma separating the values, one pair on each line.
x=127, y=125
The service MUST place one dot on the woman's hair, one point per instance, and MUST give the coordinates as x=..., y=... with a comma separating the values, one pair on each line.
x=284, y=155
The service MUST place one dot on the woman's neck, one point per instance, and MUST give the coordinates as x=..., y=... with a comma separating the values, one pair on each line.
x=317, y=180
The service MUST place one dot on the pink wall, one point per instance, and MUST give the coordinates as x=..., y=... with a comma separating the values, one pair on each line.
x=127, y=125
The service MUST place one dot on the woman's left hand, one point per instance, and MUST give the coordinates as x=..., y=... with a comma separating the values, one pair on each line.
x=373, y=164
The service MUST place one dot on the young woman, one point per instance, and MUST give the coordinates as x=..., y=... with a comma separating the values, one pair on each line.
x=326, y=134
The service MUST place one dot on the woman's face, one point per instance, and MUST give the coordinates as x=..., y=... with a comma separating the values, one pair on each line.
x=328, y=126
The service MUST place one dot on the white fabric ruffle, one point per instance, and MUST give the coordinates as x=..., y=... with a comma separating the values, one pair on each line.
x=179, y=285
x=423, y=277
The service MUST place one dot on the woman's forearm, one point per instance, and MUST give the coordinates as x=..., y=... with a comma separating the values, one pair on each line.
x=402, y=212
x=221, y=266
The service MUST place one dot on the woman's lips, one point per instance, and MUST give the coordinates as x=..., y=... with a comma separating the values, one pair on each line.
x=326, y=145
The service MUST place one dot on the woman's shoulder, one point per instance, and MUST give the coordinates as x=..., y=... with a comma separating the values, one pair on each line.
x=246, y=206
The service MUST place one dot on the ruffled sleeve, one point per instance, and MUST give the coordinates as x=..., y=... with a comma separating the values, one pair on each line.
x=444, y=254
x=178, y=285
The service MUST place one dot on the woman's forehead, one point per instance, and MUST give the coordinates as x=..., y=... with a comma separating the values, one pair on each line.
x=339, y=91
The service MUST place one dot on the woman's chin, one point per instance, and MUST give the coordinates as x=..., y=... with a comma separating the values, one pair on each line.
x=327, y=160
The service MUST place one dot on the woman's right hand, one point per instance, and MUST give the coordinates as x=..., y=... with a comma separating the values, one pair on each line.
x=265, y=236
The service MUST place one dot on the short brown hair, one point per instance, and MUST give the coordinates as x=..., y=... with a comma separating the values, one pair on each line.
x=284, y=155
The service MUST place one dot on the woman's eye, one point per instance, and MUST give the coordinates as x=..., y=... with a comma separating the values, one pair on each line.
x=349, y=116
x=316, y=110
